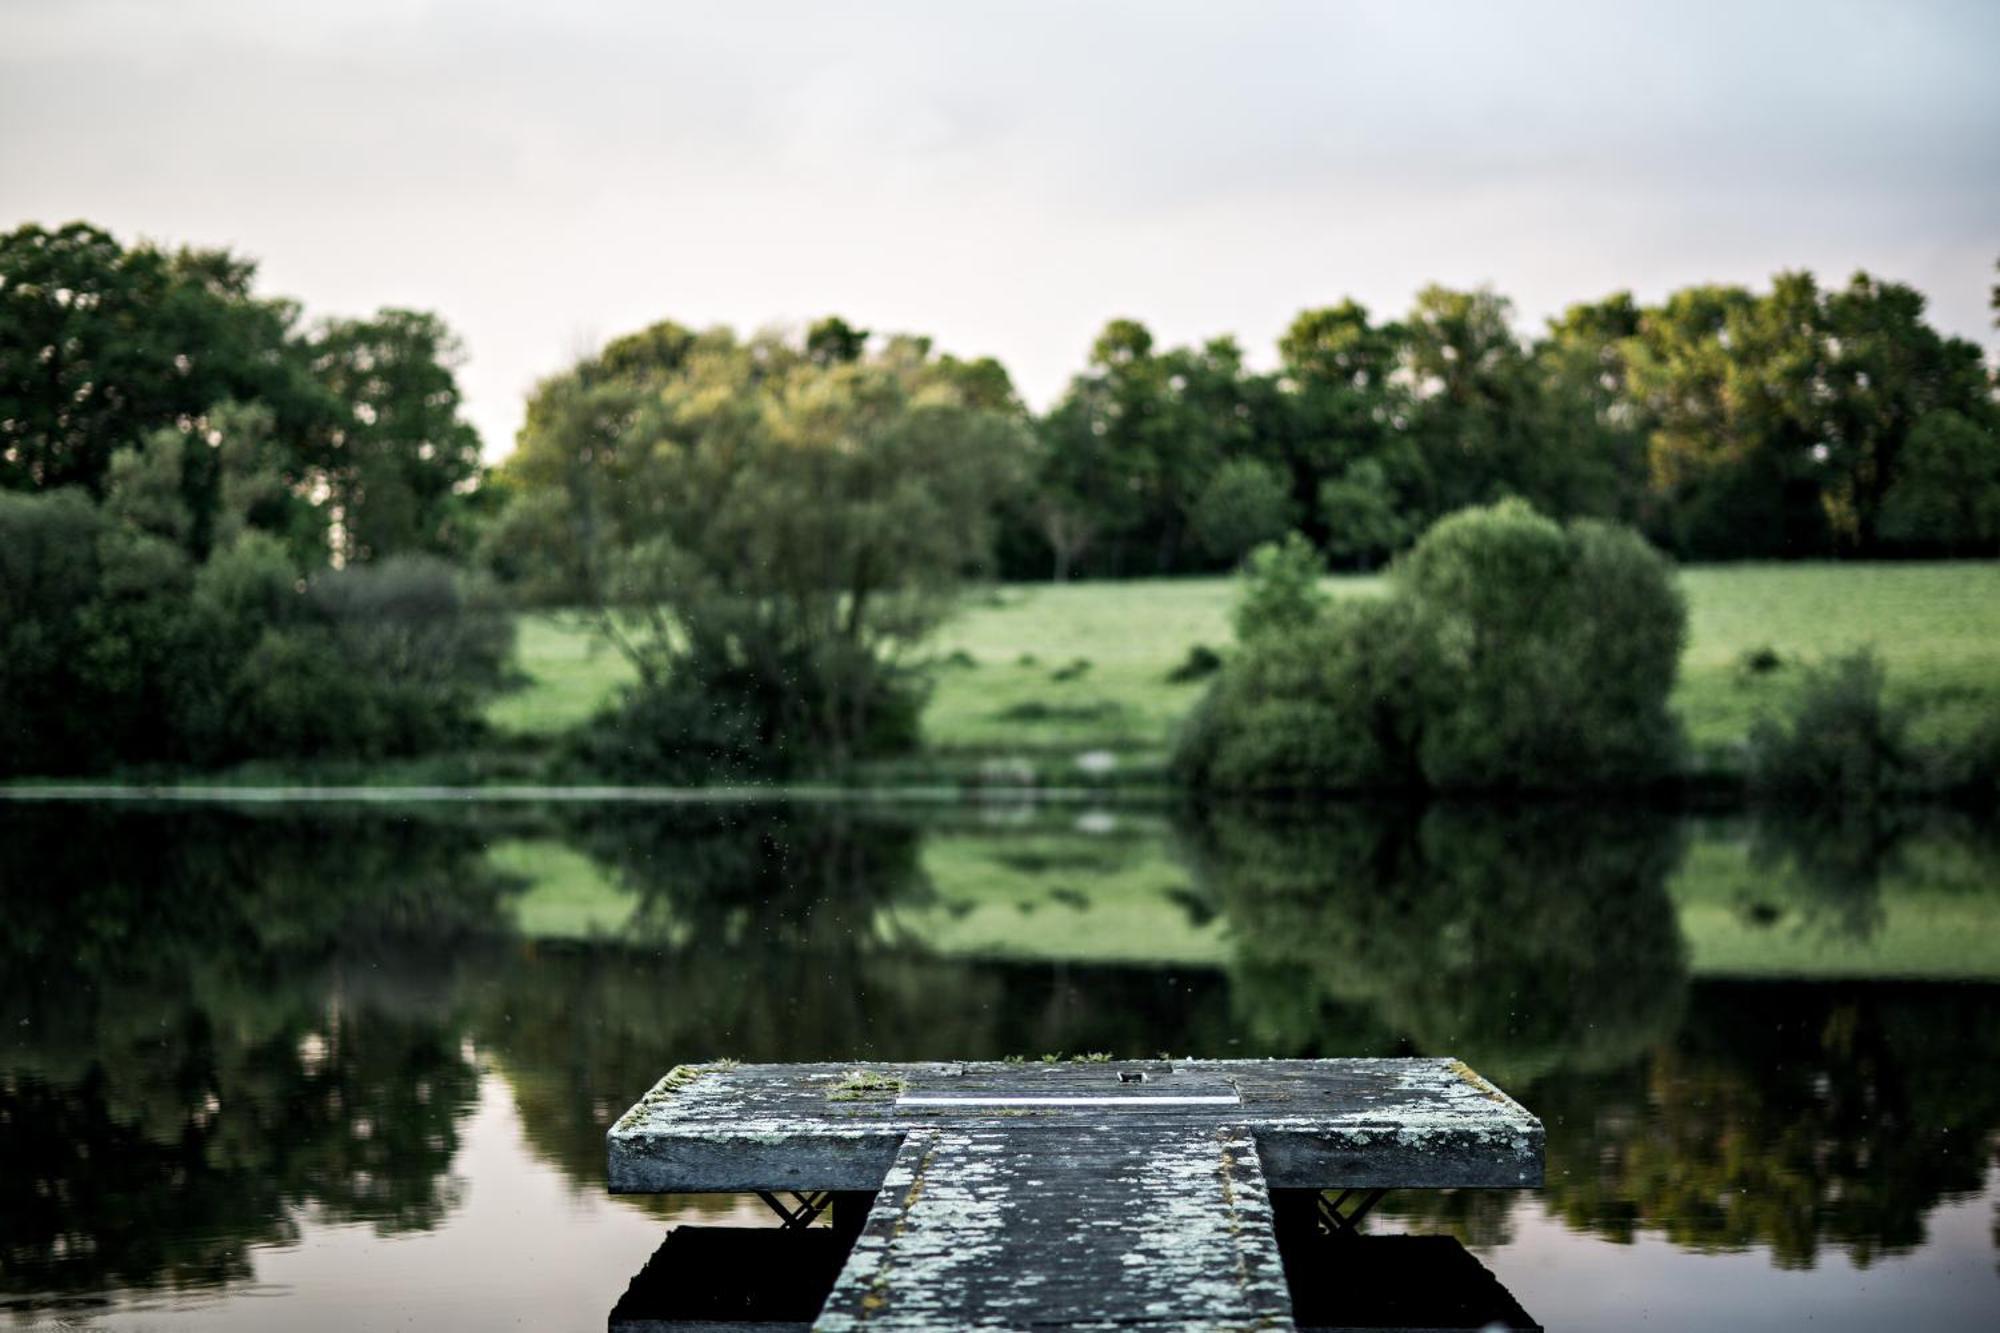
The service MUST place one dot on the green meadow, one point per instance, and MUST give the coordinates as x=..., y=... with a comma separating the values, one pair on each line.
x=1051, y=673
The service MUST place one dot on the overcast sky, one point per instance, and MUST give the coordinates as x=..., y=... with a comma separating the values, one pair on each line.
x=1005, y=177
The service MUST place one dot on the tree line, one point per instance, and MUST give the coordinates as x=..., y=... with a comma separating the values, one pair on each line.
x=226, y=531
x=1797, y=421
x=1801, y=420
x=226, y=534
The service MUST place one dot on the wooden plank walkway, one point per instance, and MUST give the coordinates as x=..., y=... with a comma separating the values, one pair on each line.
x=1079, y=1195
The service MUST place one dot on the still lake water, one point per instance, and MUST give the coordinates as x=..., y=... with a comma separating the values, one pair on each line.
x=339, y=1066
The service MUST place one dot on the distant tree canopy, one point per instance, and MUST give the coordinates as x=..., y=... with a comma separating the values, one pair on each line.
x=767, y=530
x=106, y=348
x=1801, y=421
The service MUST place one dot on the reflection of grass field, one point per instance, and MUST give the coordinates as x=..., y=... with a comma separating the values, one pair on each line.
x=1117, y=895
x=567, y=895
x=1933, y=914
x=571, y=670
x=1111, y=889
x=1936, y=625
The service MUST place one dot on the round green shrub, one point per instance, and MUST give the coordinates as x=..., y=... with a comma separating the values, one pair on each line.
x=709, y=722
x=1556, y=649
x=1329, y=706
x=1512, y=653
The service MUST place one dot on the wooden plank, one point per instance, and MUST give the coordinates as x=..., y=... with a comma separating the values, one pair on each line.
x=984, y=1227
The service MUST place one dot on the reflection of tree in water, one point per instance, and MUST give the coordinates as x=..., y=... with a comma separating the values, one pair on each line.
x=813, y=877
x=1786, y=1115
x=1542, y=948
x=187, y=1061
x=1523, y=940
x=1824, y=870
x=231, y=1016
x=760, y=938
x=1827, y=865
x=172, y=1155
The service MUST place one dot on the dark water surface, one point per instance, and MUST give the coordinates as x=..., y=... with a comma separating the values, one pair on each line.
x=342, y=1067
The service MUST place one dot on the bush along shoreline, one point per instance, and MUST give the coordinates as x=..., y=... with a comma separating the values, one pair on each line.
x=1508, y=658
x=1515, y=656
x=1512, y=654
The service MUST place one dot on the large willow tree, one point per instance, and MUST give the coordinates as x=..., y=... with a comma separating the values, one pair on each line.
x=768, y=530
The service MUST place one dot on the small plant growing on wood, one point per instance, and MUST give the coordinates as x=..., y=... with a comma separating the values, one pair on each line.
x=860, y=1085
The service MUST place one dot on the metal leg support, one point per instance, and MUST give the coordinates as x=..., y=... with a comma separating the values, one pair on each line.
x=1342, y=1216
x=805, y=1207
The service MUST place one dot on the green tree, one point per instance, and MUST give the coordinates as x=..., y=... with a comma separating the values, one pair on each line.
x=1844, y=741
x=101, y=345
x=1512, y=653
x=1590, y=456
x=203, y=487
x=1343, y=410
x=48, y=570
x=1779, y=421
x=769, y=540
x=1328, y=703
x=1472, y=392
x=1246, y=502
x=1716, y=371
x=1129, y=450
x=1282, y=589
x=1884, y=371
x=1363, y=523
x=400, y=462
x=1947, y=489
x=832, y=341
x=1557, y=650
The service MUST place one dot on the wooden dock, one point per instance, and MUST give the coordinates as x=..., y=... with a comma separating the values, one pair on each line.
x=1075, y=1195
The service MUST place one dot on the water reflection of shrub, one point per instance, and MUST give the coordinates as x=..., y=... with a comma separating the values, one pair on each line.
x=1828, y=868
x=1523, y=940
x=583, y=1030
x=765, y=933
x=802, y=875
x=201, y=1040
x=186, y=1144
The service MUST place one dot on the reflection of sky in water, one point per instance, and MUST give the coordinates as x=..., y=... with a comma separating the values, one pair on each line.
x=529, y=1248
x=1574, y=1282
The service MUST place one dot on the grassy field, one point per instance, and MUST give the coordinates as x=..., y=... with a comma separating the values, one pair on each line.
x=571, y=672
x=1055, y=672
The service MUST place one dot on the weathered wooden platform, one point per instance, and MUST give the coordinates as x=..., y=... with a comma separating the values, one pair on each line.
x=1078, y=1195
